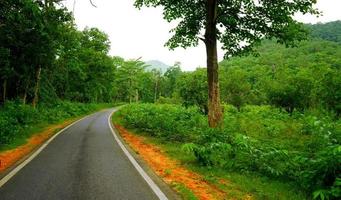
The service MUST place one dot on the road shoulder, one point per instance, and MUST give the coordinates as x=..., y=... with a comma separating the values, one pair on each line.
x=166, y=189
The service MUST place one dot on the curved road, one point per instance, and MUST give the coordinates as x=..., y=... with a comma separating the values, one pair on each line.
x=83, y=162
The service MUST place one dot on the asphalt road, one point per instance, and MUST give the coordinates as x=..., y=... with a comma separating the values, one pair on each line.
x=83, y=162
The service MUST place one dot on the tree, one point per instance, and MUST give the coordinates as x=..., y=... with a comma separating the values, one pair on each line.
x=84, y=72
x=127, y=79
x=29, y=32
x=291, y=89
x=5, y=71
x=242, y=24
x=192, y=88
x=330, y=31
x=236, y=90
x=96, y=40
x=47, y=39
x=331, y=91
x=170, y=77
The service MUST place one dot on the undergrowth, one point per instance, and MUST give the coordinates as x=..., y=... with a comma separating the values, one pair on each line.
x=18, y=121
x=299, y=148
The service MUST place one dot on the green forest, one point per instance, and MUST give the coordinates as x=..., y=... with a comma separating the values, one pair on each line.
x=281, y=117
x=281, y=105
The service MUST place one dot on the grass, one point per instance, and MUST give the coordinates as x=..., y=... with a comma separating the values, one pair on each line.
x=184, y=192
x=281, y=155
x=239, y=185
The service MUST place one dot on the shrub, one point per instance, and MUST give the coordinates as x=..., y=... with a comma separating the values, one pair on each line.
x=16, y=119
x=171, y=122
x=259, y=139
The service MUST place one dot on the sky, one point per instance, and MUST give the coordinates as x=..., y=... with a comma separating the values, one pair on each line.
x=142, y=33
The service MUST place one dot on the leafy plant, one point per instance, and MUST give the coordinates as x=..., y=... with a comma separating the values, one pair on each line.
x=16, y=119
x=298, y=147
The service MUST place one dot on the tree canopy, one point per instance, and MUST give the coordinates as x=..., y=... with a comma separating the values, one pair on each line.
x=238, y=25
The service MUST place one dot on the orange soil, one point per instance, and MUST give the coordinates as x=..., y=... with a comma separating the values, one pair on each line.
x=10, y=157
x=169, y=169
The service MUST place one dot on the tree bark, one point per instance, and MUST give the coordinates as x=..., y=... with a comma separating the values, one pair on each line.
x=36, y=87
x=130, y=91
x=4, y=91
x=214, y=107
x=24, y=98
x=136, y=95
x=155, y=90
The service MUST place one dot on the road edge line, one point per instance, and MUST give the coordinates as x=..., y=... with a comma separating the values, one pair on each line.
x=144, y=175
x=13, y=172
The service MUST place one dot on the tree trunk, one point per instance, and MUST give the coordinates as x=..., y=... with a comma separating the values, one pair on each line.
x=136, y=95
x=214, y=107
x=24, y=98
x=4, y=91
x=36, y=88
x=155, y=91
x=130, y=91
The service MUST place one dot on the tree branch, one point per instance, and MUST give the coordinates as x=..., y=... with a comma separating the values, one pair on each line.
x=93, y=4
x=202, y=39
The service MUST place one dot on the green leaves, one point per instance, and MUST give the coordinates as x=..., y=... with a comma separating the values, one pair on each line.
x=192, y=88
x=30, y=32
x=96, y=40
x=330, y=31
x=246, y=144
x=171, y=122
x=17, y=120
x=242, y=24
x=189, y=13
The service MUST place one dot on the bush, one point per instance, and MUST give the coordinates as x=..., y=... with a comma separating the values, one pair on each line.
x=167, y=100
x=16, y=119
x=167, y=121
x=259, y=139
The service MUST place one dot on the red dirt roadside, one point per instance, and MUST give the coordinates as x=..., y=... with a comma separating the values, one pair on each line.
x=170, y=170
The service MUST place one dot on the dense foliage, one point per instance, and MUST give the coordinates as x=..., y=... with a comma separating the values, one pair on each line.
x=237, y=25
x=300, y=78
x=42, y=54
x=47, y=62
x=284, y=103
x=303, y=148
x=306, y=77
x=17, y=121
x=74, y=65
x=330, y=31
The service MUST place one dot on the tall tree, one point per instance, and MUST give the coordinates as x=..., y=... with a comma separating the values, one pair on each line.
x=192, y=88
x=127, y=77
x=5, y=71
x=48, y=40
x=242, y=24
x=170, y=77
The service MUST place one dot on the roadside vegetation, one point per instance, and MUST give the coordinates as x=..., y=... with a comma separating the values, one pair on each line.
x=299, y=149
x=50, y=71
x=280, y=132
x=281, y=128
x=18, y=122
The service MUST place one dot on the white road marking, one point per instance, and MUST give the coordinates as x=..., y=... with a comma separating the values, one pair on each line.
x=144, y=175
x=36, y=153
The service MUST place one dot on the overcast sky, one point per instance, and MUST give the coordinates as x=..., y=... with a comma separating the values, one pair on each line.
x=142, y=33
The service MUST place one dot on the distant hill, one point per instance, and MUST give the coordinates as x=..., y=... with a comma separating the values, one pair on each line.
x=156, y=64
x=330, y=31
